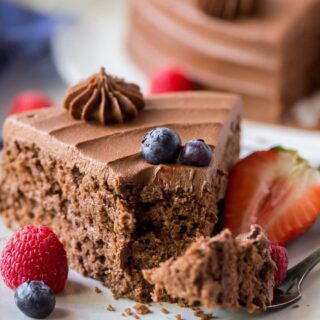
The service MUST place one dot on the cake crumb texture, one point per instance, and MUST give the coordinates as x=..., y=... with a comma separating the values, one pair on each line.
x=221, y=271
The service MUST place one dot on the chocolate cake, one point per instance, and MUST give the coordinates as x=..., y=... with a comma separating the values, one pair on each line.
x=115, y=213
x=222, y=271
x=271, y=58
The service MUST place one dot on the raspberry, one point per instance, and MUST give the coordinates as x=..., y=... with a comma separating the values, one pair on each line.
x=279, y=255
x=170, y=80
x=34, y=253
x=29, y=100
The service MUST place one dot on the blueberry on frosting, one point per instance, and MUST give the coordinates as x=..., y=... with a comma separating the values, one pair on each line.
x=196, y=153
x=160, y=145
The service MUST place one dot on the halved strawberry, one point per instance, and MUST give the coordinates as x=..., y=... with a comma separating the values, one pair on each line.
x=277, y=190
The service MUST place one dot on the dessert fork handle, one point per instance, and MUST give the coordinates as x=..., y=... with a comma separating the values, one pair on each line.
x=297, y=274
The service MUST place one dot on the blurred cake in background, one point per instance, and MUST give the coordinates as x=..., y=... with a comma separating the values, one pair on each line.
x=268, y=53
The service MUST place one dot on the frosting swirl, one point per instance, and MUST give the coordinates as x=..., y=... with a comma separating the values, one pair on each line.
x=105, y=99
x=229, y=9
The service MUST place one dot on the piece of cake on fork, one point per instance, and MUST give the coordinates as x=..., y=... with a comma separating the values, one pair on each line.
x=80, y=170
x=222, y=271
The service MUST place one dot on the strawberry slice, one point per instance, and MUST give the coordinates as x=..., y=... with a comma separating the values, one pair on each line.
x=277, y=190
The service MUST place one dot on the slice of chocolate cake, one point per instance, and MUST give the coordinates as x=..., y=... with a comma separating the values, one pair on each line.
x=116, y=213
x=222, y=271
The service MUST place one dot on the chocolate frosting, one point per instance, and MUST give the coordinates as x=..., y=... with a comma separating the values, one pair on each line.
x=104, y=98
x=244, y=56
x=238, y=56
x=115, y=151
x=229, y=9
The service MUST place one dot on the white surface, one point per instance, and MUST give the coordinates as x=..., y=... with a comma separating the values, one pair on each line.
x=79, y=301
x=262, y=136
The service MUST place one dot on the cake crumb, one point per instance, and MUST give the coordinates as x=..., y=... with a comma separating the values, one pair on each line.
x=295, y=306
x=136, y=316
x=208, y=316
x=197, y=312
x=97, y=290
x=178, y=317
x=202, y=315
x=110, y=308
x=128, y=311
x=164, y=310
x=183, y=304
x=141, y=308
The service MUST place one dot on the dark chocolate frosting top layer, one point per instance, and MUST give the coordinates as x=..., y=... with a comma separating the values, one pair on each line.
x=115, y=150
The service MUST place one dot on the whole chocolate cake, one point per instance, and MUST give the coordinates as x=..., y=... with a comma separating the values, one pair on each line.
x=80, y=170
x=266, y=50
x=222, y=271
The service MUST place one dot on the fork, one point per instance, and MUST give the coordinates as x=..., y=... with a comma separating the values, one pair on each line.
x=289, y=291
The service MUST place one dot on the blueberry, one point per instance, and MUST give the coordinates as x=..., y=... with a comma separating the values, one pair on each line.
x=160, y=145
x=196, y=153
x=35, y=299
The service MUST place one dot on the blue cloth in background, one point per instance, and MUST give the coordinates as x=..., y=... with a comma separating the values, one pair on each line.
x=23, y=32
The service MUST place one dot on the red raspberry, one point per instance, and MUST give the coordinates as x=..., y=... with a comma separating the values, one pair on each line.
x=170, y=79
x=29, y=100
x=279, y=255
x=34, y=253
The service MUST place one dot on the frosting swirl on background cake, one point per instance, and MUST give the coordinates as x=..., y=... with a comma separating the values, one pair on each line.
x=105, y=99
x=230, y=9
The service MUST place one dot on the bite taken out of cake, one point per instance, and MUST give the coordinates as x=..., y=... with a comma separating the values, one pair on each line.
x=223, y=271
x=80, y=170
